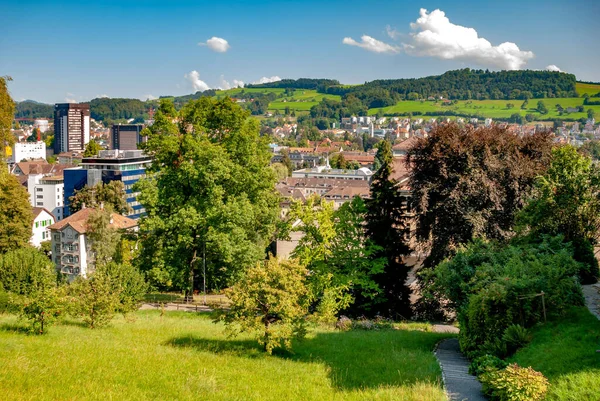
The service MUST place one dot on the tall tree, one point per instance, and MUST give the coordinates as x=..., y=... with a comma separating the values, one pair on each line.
x=470, y=182
x=7, y=112
x=212, y=192
x=16, y=216
x=566, y=202
x=388, y=227
x=113, y=196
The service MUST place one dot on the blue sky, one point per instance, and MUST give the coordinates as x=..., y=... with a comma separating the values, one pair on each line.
x=59, y=50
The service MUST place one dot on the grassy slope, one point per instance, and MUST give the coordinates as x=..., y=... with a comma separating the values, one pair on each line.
x=185, y=356
x=301, y=100
x=492, y=108
x=565, y=351
x=590, y=89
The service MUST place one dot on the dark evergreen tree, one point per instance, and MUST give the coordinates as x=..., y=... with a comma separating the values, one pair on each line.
x=387, y=227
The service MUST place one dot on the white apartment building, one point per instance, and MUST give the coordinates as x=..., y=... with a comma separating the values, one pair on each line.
x=71, y=248
x=47, y=192
x=27, y=150
x=40, y=229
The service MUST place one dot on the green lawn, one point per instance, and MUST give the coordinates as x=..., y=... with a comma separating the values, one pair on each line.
x=185, y=356
x=491, y=108
x=590, y=89
x=565, y=352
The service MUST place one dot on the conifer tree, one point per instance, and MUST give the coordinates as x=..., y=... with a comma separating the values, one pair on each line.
x=387, y=227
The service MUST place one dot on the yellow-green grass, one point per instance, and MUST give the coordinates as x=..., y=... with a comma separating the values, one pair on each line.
x=492, y=108
x=590, y=89
x=565, y=352
x=184, y=356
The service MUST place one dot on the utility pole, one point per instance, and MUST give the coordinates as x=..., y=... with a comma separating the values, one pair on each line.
x=204, y=270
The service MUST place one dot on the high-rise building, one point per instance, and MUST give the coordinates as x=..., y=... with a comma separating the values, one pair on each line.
x=110, y=165
x=71, y=127
x=126, y=136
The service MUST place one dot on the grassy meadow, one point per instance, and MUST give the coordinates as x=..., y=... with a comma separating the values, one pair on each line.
x=590, y=89
x=565, y=352
x=185, y=356
x=491, y=108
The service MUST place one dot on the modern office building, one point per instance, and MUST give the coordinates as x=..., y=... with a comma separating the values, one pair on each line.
x=47, y=192
x=126, y=136
x=127, y=166
x=27, y=151
x=71, y=127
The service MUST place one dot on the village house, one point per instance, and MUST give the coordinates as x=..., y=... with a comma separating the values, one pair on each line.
x=40, y=228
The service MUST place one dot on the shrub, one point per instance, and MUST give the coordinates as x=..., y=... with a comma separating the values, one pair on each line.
x=343, y=323
x=485, y=364
x=515, y=383
x=379, y=323
x=516, y=336
x=93, y=299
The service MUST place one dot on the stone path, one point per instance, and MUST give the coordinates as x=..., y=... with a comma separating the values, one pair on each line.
x=592, y=298
x=459, y=384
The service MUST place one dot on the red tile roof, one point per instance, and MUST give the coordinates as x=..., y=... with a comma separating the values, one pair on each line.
x=79, y=221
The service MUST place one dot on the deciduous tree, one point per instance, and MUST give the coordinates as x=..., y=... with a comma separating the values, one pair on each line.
x=16, y=216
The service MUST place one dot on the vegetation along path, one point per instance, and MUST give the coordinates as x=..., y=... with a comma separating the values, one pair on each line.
x=460, y=385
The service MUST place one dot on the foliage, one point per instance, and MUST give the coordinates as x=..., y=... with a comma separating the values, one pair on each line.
x=29, y=280
x=338, y=253
x=43, y=303
x=492, y=287
x=212, y=189
x=128, y=283
x=270, y=301
x=93, y=299
x=486, y=363
x=117, y=109
x=33, y=109
x=470, y=182
x=301, y=83
x=379, y=323
x=103, y=238
x=281, y=171
x=15, y=213
x=112, y=194
x=566, y=202
x=91, y=149
x=388, y=228
x=515, y=383
x=7, y=111
x=516, y=336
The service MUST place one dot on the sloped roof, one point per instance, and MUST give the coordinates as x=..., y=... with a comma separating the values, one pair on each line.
x=38, y=210
x=79, y=221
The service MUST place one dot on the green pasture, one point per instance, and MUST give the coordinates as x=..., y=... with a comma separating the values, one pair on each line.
x=184, y=356
x=590, y=89
x=491, y=108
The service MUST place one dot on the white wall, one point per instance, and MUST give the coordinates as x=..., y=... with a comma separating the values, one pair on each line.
x=39, y=230
x=28, y=150
x=50, y=196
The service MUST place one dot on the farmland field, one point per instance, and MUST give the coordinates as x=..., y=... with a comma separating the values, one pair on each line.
x=491, y=108
x=184, y=356
x=590, y=89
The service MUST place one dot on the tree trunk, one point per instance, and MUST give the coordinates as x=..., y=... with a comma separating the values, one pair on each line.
x=189, y=295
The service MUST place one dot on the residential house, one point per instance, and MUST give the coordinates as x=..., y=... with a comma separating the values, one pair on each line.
x=71, y=247
x=40, y=229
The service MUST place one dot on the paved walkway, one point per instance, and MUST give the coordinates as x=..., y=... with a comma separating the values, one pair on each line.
x=592, y=298
x=459, y=384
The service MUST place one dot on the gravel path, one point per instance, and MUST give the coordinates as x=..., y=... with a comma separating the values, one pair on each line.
x=459, y=384
x=592, y=298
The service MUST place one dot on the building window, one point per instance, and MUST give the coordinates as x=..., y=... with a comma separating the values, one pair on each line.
x=40, y=196
x=40, y=203
x=39, y=189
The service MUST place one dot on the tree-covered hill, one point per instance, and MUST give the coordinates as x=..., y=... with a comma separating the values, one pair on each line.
x=33, y=109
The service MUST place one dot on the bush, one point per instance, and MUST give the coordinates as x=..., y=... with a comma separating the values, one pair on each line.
x=515, y=383
x=486, y=363
x=379, y=323
x=343, y=323
x=493, y=287
x=516, y=336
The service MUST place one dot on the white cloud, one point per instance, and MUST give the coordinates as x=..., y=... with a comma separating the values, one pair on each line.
x=148, y=97
x=267, y=80
x=70, y=98
x=392, y=32
x=102, y=96
x=372, y=44
x=224, y=84
x=197, y=83
x=216, y=44
x=435, y=36
x=552, y=67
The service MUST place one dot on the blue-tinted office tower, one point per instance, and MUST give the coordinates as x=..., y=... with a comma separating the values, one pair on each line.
x=127, y=166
